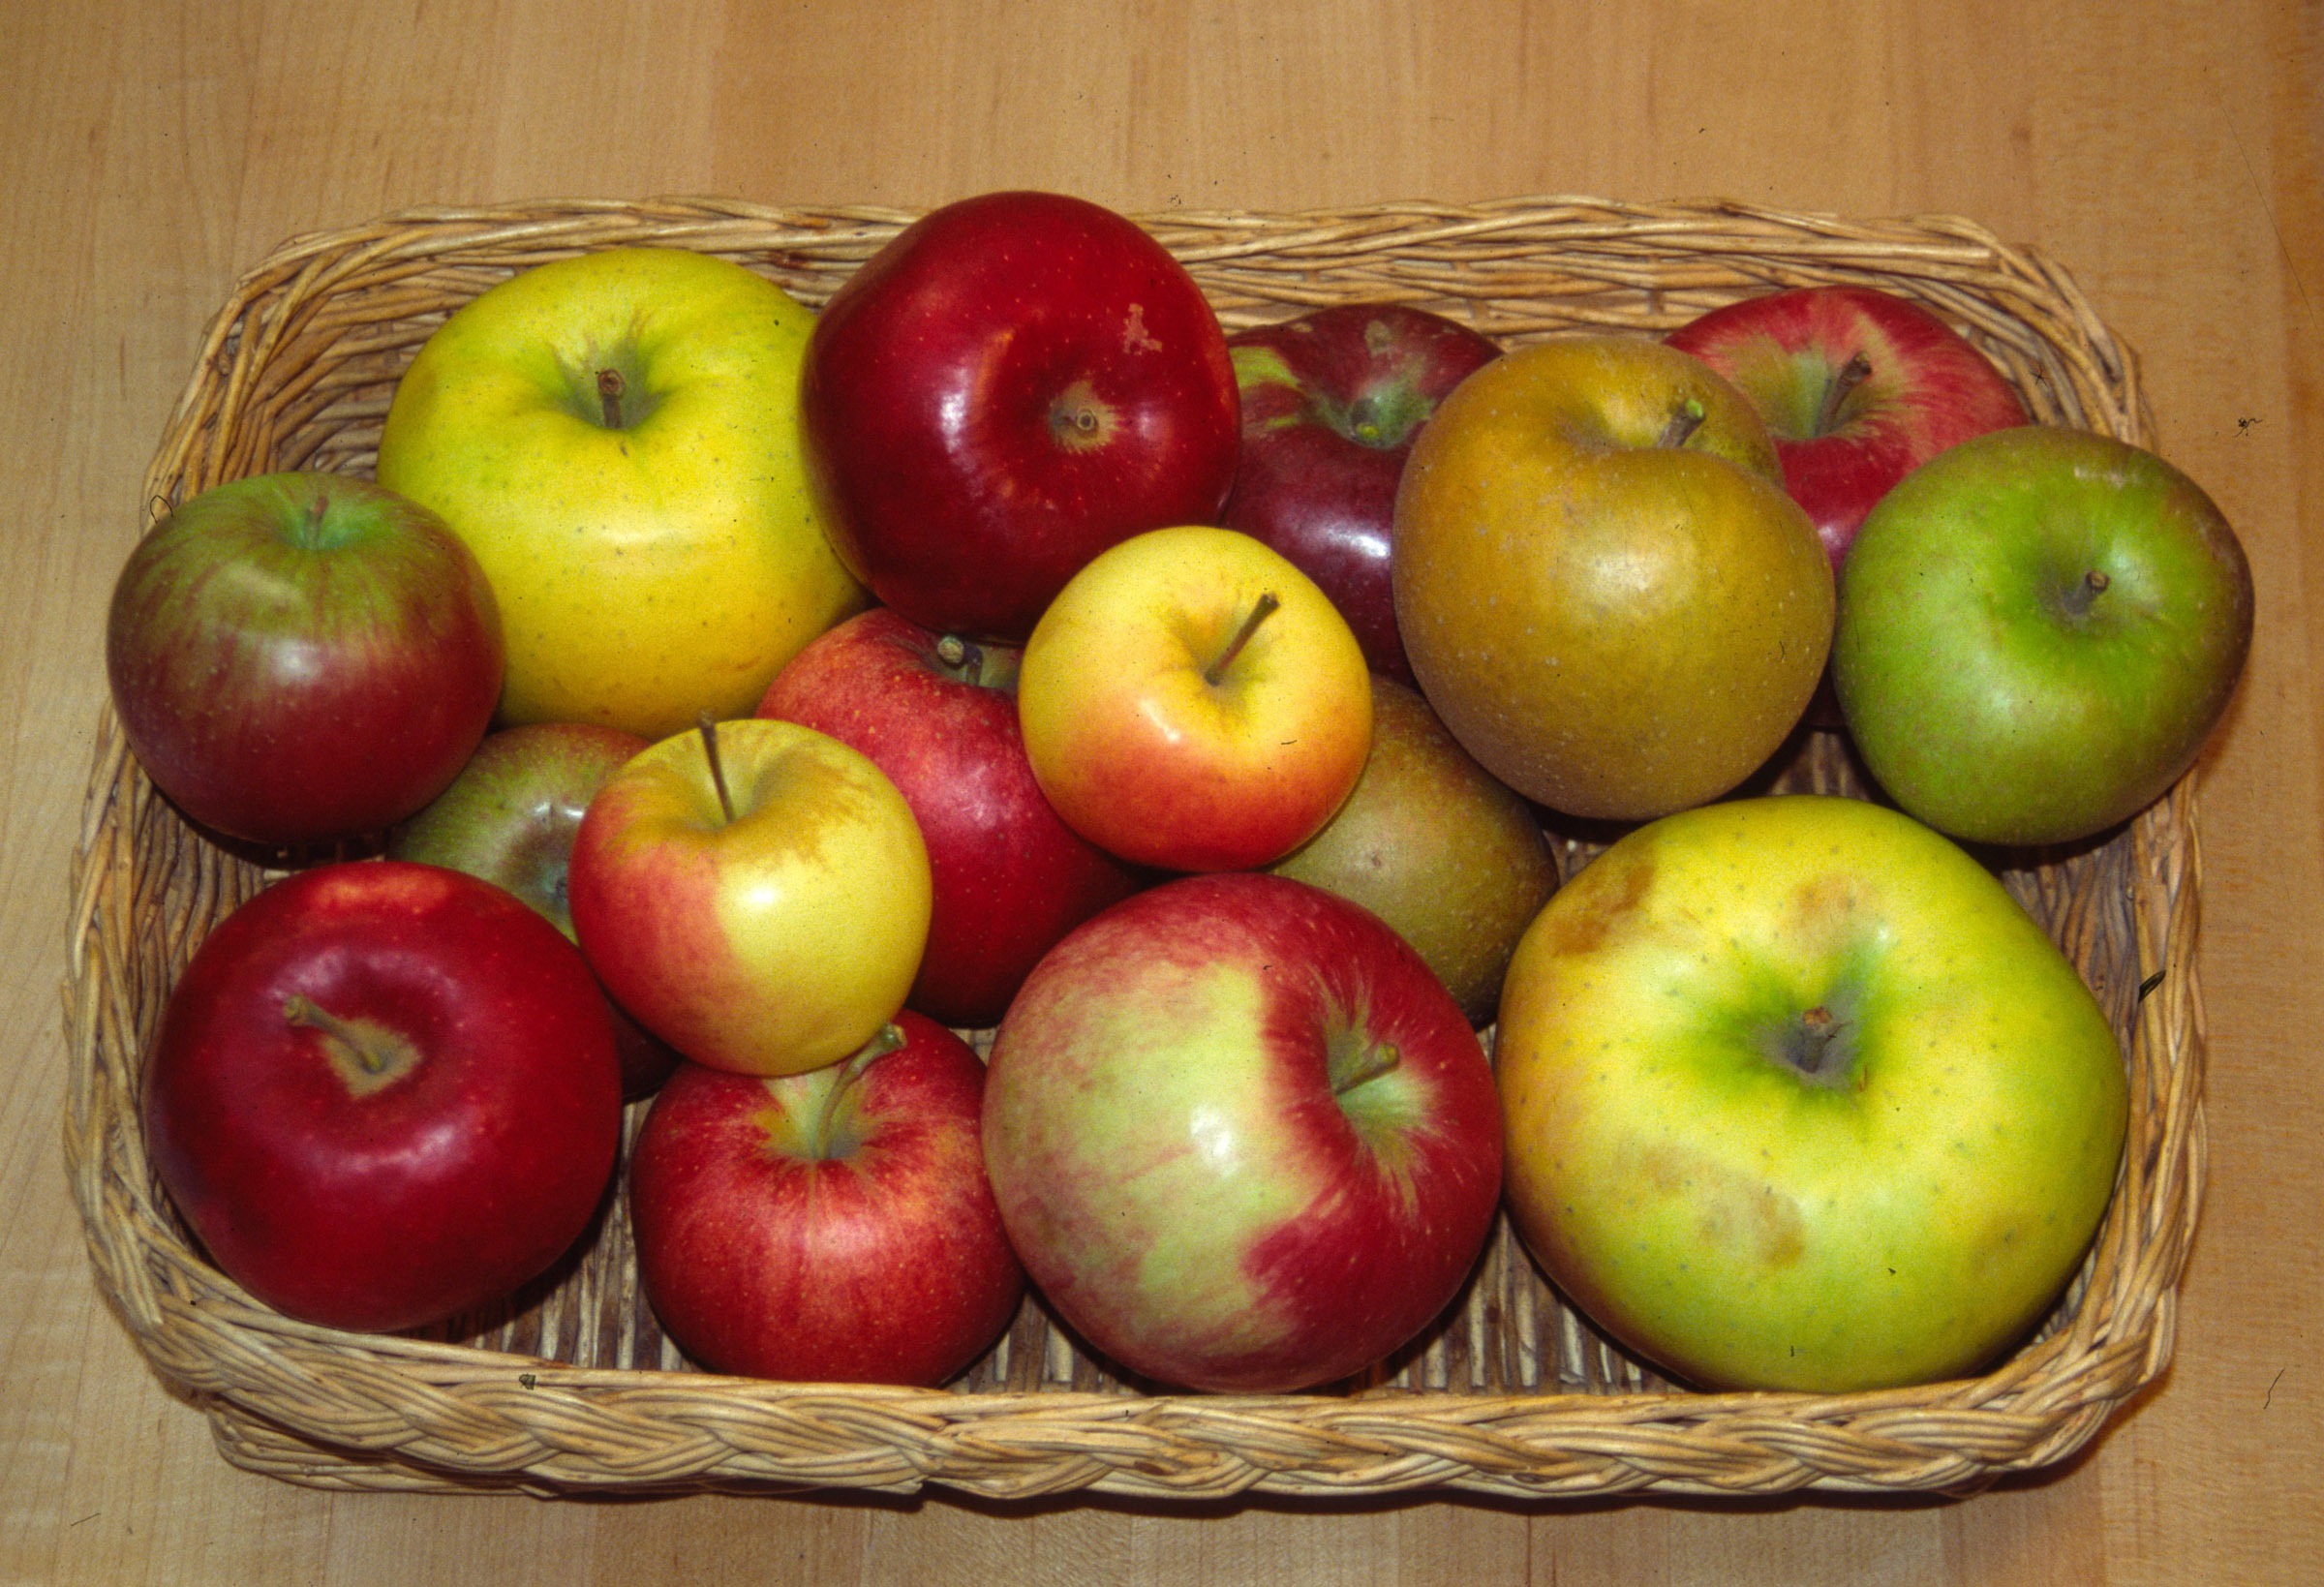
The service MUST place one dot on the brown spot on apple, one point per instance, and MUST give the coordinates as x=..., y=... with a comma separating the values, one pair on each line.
x=1599, y=902
x=1736, y=1214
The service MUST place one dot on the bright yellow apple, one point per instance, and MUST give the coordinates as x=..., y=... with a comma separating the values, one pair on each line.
x=1192, y=701
x=616, y=438
x=763, y=912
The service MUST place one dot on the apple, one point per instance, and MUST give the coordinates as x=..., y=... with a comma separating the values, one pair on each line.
x=1800, y=1098
x=2038, y=630
x=1437, y=847
x=1241, y=1135
x=834, y=1226
x=1331, y=401
x=938, y=715
x=1192, y=701
x=616, y=436
x=1859, y=389
x=297, y=658
x=509, y=818
x=1015, y=383
x=755, y=893
x=1603, y=590
x=382, y=1093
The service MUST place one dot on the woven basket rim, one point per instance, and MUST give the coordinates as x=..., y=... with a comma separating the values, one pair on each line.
x=315, y=1405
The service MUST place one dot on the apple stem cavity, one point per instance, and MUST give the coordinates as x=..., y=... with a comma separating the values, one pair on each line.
x=1216, y=672
x=1375, y=1061
x=718, y=770
x=887, y=1041
x=1685, y=419
x=1851, y=375
x=1819, y=1047
x=1079, y=420
x=368, y=1057
x=610, y=386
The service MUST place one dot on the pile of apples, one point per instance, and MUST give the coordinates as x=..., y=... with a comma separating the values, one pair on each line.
x=752, y=700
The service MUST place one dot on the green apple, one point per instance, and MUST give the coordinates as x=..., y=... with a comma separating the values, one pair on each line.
x=1435, y=845
x=616, y=436
x=1798, y=1097
x=1602, y=588
x=2038, y=630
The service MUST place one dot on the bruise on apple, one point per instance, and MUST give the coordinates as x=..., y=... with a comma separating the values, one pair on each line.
x=1734, y=1211
x=1606, y=897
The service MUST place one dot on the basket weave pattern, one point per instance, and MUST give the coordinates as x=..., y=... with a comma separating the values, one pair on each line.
x=570, y=1385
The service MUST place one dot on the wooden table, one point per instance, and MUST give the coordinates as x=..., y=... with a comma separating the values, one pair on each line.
x=2170, y=156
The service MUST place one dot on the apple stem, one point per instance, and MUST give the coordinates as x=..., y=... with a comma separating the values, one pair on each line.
x=2080, y=597
x=1851, y=375
x=717, y=771
x=963, y=657
x=887, y=1041
x=1685, y=419
x=367, y=1056
x=1377, y=1061
x=1215, y=673
x=610, y=386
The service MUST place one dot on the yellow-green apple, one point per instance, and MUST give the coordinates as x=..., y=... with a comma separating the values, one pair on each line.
x=1192, y=701
x=301, y=658
x=616, y=436
x=2038, y=630
x=509, y=818
x=1436, y=846
x=383, y=1093
x=1015, y=383
x=1603, y=590
x=1241, y=1137
x=938, y=715
x=1331, y=401
x=1859, y=388
x=1798, y=1097
x=834, y=1226
x=756, y=894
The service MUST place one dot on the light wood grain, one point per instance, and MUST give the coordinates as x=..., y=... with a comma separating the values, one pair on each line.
x=2170, y=156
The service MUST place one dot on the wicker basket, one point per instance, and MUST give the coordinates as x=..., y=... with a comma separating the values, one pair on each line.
x=572, y=1387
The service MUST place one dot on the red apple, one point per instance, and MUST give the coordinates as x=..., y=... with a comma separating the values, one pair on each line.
x=1858, y=386
x=383, y=1093
x=834, y=1226
x=301, y=658
x=1012, y=384
x=757, y=894
x=1192, y=701
x=938, y=715
x=1241, y=1137
x=509, y=817
x=1331, y=403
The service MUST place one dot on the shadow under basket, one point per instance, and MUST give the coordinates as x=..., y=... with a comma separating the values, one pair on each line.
x=571, y=1387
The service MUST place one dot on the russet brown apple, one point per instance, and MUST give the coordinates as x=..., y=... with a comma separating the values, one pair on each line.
x=1602, y=587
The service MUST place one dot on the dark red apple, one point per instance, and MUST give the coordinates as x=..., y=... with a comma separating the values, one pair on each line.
x=1331, y=402
x=509, y=817
x=1013, y=384
x=834, y=1226
x=1242, y=1136
x=1858, y=386
x=301, y=658
x=938, y=715
x=383, y=1093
